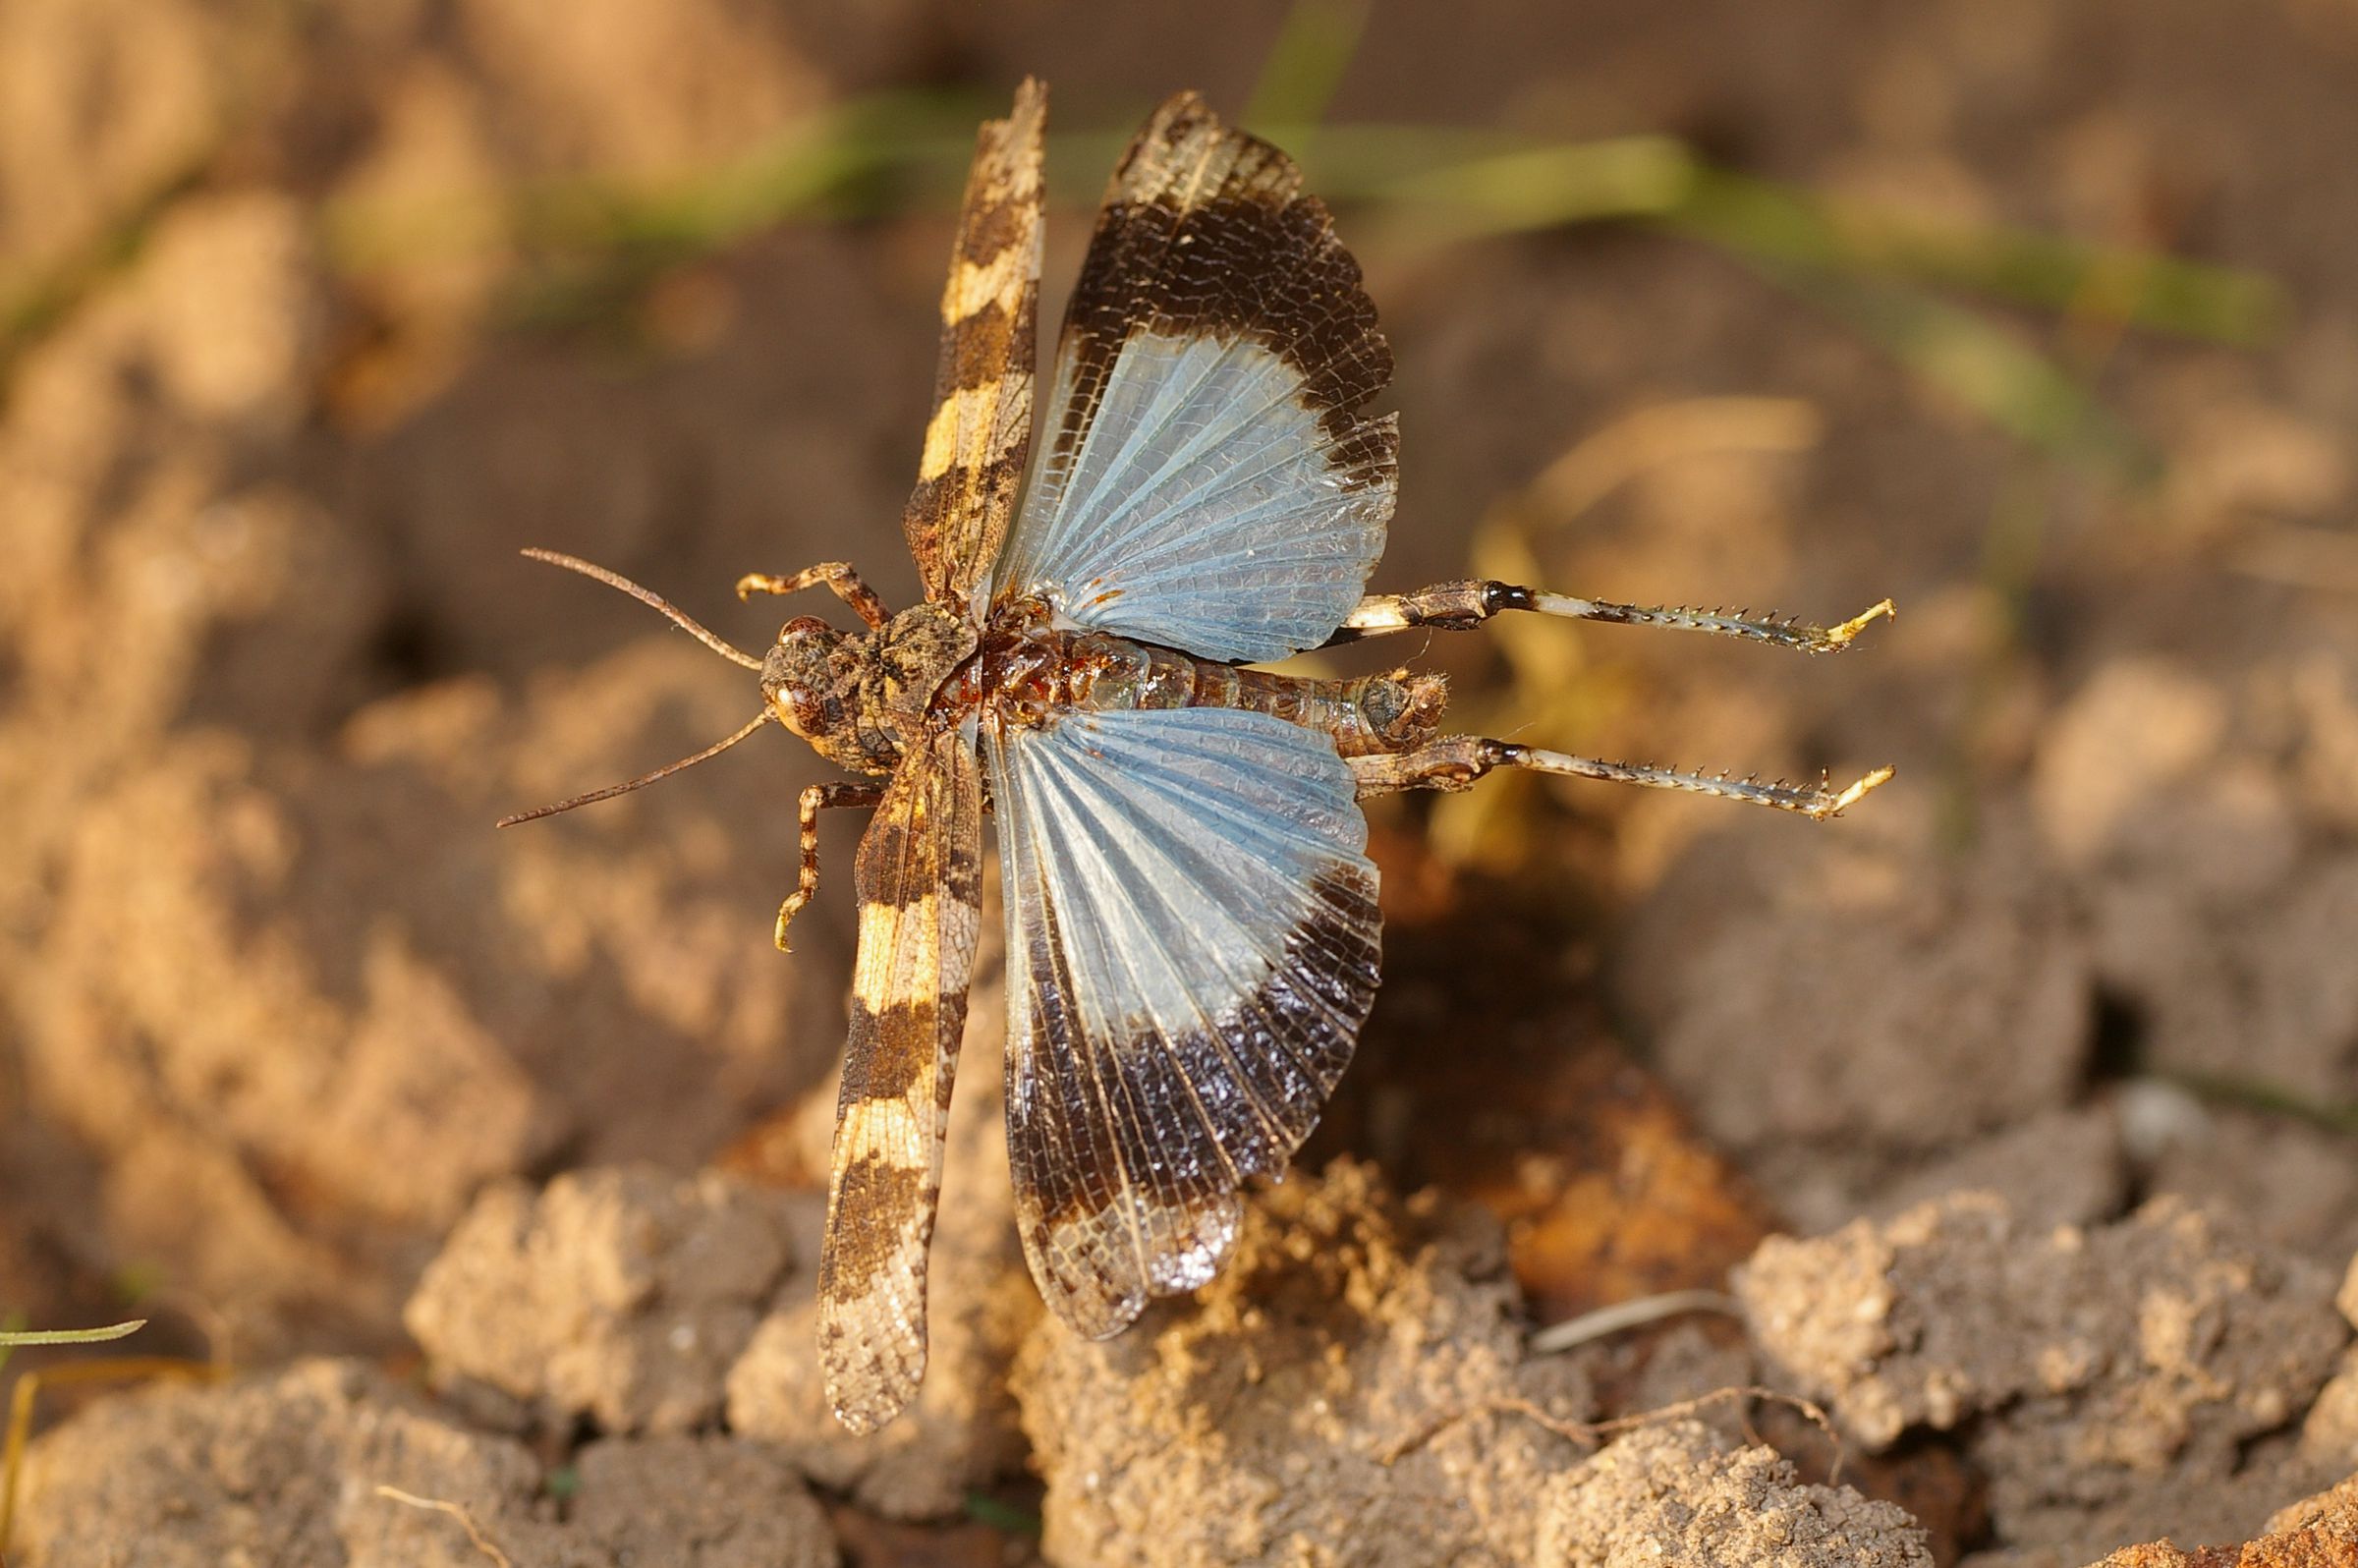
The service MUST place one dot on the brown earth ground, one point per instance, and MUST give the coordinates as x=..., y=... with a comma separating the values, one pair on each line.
x=471, y=1175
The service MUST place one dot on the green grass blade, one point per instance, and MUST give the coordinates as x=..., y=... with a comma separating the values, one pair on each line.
x=15, y=1336
x=1769, y=221
x=1979, y=365
x=1544, y=187
x=23, y=1339
x=1306, y=63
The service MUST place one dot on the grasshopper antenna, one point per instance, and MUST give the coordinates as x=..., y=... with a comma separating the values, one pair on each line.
x=679, y=618
x=641, y=781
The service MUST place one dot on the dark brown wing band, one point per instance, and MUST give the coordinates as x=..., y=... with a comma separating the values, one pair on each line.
x=1205, y=232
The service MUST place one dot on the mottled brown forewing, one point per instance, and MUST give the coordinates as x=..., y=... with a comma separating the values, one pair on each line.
x=980, y=431
x=920, y=889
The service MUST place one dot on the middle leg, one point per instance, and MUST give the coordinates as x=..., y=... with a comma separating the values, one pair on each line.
x=817, y=798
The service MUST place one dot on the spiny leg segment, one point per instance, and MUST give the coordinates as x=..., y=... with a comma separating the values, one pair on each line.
x=836, y=574
x=817, y=798
x=1455, y=762
x=1462, y=605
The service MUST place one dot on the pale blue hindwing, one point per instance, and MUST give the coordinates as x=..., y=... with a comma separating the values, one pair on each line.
x=1192, y=945
x=1204, y=507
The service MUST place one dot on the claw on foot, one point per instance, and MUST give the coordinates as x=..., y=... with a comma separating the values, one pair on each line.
x=1831, y=804
x=1839, y=637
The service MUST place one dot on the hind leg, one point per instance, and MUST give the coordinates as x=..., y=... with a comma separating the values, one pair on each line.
x=1463, y=605
x=1455, y=762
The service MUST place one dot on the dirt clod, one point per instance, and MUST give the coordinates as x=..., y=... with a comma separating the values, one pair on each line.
x=329, y=1462
x=2336, y=1505
x=2320, y=1531
x=959, y=1432
x=1331, y=1398
x=1679, y=1493
x=624, y=1294
x=2059, y=1167
x=280, y=1467
x=2329, y=1433
x=2219, y=895
x=312, y=315
x=696, y=1503
x=2108, y=1380
x=1792, y=1018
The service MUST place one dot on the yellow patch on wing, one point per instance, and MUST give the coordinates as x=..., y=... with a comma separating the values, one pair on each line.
x=959, y=430
x=977, y=284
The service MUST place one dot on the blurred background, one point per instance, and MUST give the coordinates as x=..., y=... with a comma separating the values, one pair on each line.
x=2040, y=318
